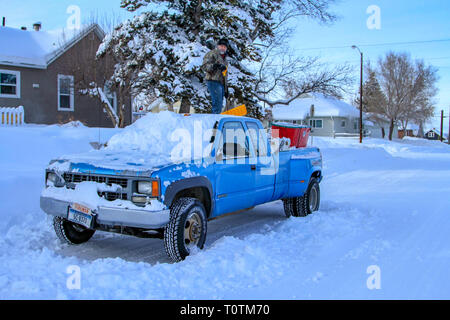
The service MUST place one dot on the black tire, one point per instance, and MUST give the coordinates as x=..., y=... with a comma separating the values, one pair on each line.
x=310, y=202
x=71, y=233
x=289, y=207
x=187, y=227
x=305, y=205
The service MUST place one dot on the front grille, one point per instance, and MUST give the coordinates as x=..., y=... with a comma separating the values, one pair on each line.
x=77, y=178
x=72, y=179
x=121, y=182
x=111, y=196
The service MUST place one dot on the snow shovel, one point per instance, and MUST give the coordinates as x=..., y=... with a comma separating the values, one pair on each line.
x=240, y=111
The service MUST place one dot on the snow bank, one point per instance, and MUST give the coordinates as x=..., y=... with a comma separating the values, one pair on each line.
x=25, y=152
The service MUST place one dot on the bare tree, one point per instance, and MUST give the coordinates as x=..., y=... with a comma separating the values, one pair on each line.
x=409, y=87
x=283, y=75
x=330, y=81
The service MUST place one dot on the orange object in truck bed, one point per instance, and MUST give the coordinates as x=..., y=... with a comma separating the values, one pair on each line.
x=238, y=111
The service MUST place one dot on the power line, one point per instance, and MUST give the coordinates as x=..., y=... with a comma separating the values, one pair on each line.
x=380, y=44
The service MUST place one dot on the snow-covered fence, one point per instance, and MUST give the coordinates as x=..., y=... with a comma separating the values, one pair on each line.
x=12, y=116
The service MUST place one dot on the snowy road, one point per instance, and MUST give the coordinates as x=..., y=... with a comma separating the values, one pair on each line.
x=151, y=251
x=384, y=204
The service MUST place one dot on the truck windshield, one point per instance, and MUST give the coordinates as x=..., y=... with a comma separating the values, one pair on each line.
x=233, y=143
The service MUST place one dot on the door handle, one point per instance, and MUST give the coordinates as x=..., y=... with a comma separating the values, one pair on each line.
x=253, y=167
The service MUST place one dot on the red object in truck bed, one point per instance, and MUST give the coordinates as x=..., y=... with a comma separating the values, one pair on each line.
x=298, y=134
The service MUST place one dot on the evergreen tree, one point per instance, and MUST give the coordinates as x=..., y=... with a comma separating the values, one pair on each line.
x=162, y=52
x=374, y=99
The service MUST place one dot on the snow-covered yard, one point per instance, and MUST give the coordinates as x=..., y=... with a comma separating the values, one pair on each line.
x=384, y=204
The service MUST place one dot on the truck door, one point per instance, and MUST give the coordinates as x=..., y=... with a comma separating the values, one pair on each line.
x=234, y=175
x=264, y=166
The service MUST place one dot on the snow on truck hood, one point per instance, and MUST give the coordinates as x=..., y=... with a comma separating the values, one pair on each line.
x=152, y=142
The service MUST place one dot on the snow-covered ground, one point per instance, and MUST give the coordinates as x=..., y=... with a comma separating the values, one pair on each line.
x=384, y=204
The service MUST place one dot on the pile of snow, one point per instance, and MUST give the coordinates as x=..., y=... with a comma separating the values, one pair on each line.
x=324, y=106
x=155, y=140
x=26, y=151
x=159, y=133
x=73, y=124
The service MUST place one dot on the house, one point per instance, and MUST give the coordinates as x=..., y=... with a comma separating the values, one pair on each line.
x=326, y=115
x=432, y=135
x=378, y=126
x=412, y=130
x=32, y=75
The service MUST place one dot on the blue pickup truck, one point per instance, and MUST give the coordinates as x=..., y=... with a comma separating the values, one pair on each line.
x=133, y=187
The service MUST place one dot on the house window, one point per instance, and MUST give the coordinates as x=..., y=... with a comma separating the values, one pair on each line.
x=431, y=135
x=317, y=124
x=65, y=93
x=111, y=96
x=343, y=124
x=9, y=84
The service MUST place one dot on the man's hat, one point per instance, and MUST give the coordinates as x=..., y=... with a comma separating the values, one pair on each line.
x=224, y=42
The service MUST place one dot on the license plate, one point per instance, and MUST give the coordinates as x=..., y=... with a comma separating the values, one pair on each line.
x=81, y=215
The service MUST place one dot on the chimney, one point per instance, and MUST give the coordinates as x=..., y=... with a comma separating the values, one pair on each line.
x=23, y=28
x=4, y=22
x=37, y=26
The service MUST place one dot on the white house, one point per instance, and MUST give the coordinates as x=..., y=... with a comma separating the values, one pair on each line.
x=377, y=126
x=326, y=115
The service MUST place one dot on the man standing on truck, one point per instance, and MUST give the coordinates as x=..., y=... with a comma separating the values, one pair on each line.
x=215, y=65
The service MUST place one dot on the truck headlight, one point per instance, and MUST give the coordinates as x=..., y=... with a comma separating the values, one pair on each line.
x=52, y=177
x=54, y=180
x=150, y=188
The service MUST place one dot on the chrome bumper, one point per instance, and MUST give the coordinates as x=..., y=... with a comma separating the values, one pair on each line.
x=112, y=216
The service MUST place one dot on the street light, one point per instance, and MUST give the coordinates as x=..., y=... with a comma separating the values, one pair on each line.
x=360, y=96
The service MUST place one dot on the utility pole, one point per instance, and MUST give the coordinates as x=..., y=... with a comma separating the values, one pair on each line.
x=360, y=96
x=442, y=125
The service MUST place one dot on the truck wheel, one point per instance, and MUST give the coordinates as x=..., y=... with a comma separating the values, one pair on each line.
x=289, y=207
x=70, y=232
x=186, y=228
x=310, y=202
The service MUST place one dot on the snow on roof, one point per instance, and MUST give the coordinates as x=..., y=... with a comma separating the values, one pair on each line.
x=35, y=49
x=412, y=126
x=29, y=48
x=324, y=106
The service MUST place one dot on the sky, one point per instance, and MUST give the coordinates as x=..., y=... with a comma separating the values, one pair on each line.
x=400, y=21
